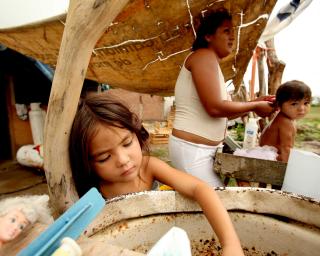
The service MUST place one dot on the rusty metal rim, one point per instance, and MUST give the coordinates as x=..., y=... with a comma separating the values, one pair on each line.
x=257, y=232
x=256, y=200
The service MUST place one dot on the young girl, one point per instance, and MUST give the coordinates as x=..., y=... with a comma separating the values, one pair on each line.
x=107, y=151
x=293, y=100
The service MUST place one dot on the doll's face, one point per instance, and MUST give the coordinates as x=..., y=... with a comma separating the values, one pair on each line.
x=12, y=224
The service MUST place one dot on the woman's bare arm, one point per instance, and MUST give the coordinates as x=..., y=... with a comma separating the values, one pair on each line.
x=203, y=65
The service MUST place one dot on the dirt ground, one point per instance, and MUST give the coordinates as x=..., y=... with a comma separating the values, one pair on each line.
x=17, y=180
x=313, y=146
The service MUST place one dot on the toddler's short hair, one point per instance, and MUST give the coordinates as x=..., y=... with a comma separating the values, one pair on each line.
x=292, y=90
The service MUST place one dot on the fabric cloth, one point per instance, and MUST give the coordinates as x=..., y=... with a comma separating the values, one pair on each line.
x=190, y=114
x=266, y=152
x=284, y=17
x=195, y=159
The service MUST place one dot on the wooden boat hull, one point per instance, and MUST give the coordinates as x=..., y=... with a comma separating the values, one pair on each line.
x=268, y=222
x=144, y=48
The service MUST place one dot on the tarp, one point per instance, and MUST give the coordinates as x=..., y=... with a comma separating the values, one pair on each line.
x=284, y=17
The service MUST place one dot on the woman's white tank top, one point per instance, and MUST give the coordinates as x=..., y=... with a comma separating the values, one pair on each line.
x=190, y=114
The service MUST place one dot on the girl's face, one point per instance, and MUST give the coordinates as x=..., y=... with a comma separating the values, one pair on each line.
x=11, y=225
x=116, y=154
x=222, y=40
x=295, y=109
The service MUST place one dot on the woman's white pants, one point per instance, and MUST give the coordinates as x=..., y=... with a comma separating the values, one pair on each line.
x=195, y=159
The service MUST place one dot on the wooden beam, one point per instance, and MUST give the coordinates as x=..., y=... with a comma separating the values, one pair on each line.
x=250, y=169
x=261, y=74
x=85, y=24
x=275, y=67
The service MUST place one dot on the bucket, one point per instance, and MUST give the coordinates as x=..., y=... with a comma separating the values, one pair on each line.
x=37, y=119
x=303, y=174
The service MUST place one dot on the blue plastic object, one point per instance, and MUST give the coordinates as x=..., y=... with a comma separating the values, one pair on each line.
x=71, y=224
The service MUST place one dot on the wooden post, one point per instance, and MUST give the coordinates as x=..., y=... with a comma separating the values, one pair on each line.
x=262, y=83
x=253, y=75
x=261, y=76
x=85, y=24
x=275, y=66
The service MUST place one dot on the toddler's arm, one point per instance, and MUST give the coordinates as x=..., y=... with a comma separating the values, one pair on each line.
x=286, y=140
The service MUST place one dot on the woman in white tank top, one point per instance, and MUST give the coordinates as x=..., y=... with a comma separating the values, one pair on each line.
x=202, y=107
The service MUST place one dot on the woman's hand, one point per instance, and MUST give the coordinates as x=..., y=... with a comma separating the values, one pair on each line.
x=264, y=108
x=269, y=98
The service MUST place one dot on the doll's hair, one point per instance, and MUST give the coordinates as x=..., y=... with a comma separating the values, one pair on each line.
x=35, y=208
x=292, y=90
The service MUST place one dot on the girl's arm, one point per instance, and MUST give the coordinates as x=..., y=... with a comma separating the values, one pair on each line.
x=286, y=139
x=206, y=197
x=204, y=66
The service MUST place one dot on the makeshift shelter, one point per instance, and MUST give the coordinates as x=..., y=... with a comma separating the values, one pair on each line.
x=143, y=47
x=149, y=65
x=135, y=45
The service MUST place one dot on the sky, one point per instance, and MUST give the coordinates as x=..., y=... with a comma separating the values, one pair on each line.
x=297, y=46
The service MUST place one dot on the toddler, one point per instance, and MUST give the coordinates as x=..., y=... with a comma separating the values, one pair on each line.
x=293, y=102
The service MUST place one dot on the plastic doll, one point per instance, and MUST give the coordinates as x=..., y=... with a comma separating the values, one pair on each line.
x=17, y=213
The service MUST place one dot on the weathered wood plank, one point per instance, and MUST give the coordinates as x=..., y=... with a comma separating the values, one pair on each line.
x=250, y=169
x=86, y=22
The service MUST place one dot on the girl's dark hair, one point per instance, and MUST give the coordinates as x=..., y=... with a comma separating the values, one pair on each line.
x=292, y=90
x=92, y=110
x=208, y=26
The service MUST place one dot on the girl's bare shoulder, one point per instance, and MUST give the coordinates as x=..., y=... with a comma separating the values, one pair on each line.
x=149, y=163
x=152, y=162
x=146, y=170
x=283, y=121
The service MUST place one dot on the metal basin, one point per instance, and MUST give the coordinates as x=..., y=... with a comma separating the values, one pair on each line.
x=268, y=222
